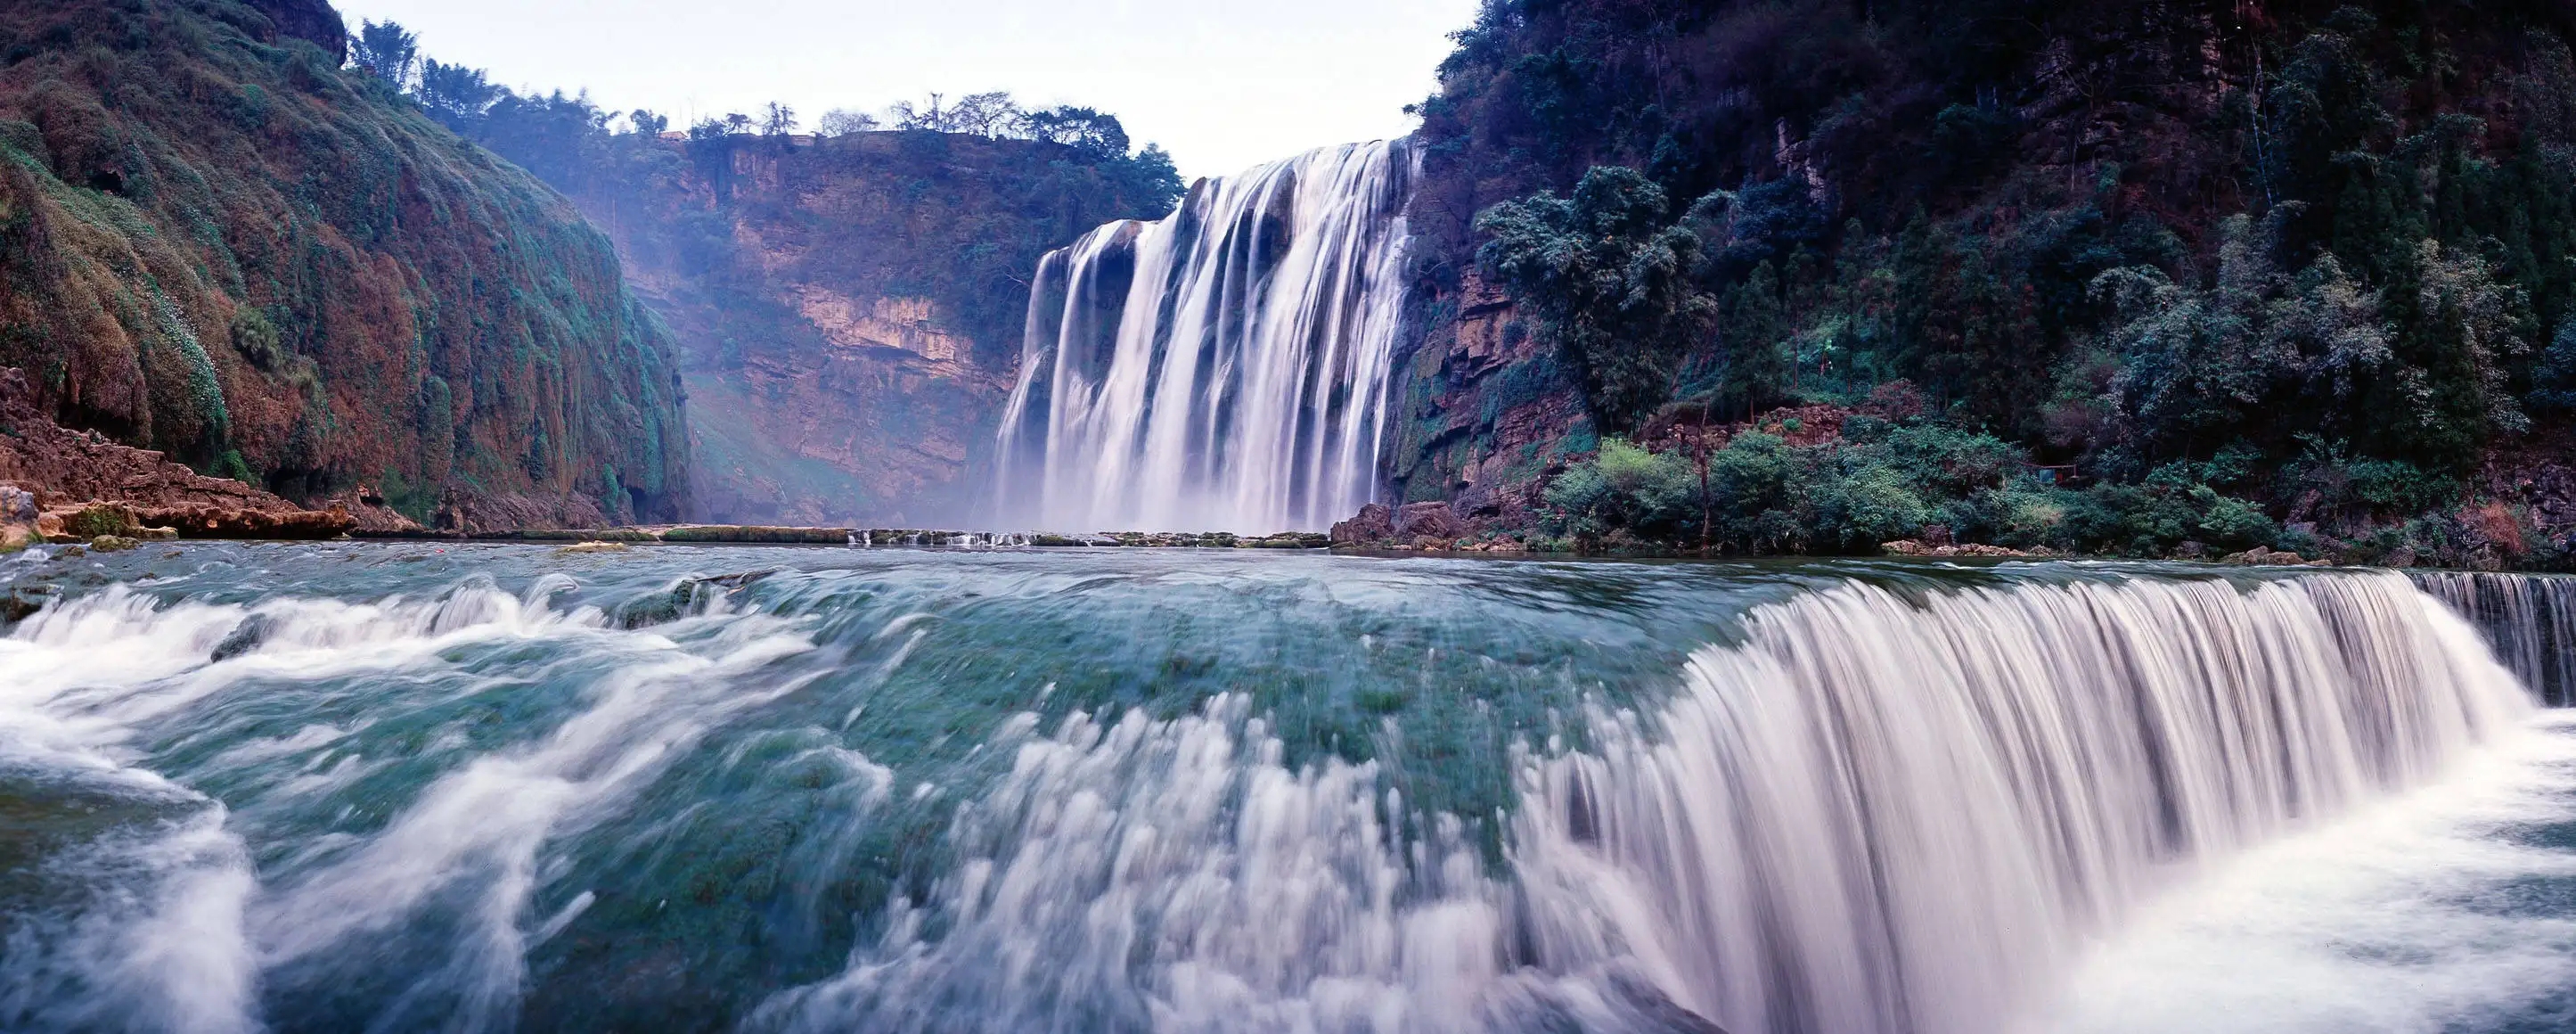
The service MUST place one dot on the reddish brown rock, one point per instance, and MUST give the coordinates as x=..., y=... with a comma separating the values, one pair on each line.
x=1433, y=520
x=366, y=506
x=1372, y=523
x=67, y=470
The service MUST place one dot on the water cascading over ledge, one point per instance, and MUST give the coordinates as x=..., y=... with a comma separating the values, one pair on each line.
x=2530, y=621
x=1143, y=790
x=1222, y=369
x=1875, y=815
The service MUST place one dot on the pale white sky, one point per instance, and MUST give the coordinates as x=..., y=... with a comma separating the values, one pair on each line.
x=1222, y=84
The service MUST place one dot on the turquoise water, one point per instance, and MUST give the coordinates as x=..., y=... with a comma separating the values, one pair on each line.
x=397, y=787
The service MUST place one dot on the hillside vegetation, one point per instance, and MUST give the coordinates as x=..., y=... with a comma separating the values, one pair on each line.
x=216, y=242
x=2247, y=272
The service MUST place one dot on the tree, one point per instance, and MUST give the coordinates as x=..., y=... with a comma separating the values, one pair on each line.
x=385, y=50
x=933, y=118
x=1096, y=134
x=777, y=120
x=992, y=114
x=1609, y=280
x=455, y=94
x=843, y=122
x=647, y=123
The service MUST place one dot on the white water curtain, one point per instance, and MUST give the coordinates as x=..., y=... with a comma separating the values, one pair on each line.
x=1224, y=369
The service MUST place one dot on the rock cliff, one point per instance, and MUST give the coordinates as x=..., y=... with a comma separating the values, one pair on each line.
x=848, y=309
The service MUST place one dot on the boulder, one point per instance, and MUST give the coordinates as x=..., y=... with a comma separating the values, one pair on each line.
x=1428, y=520
x=2263, y=555
x=1372, y=523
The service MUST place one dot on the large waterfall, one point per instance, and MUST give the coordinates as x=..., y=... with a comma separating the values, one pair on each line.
x=1134, y=790
x=1222, y=369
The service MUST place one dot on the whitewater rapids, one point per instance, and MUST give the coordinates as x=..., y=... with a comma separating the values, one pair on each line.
x=1007, y=791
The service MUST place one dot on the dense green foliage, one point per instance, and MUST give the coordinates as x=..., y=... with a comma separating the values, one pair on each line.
x=216, y=242
x=1608, y=280
x=1882, y=481
x=2131, y=237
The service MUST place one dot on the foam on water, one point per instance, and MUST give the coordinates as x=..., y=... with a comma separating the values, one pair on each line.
x=2061, y=798
x=2446, y=909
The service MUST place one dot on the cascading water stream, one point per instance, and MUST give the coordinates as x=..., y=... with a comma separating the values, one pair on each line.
x=1009, y=791
x=2530, y=620
x=1222, y=369
x=1878, y=816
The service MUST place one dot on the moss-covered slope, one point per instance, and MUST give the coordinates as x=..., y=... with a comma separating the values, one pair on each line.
x=215, y=242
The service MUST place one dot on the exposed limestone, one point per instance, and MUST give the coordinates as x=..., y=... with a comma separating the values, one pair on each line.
x=1433, y=520
x=592, y=547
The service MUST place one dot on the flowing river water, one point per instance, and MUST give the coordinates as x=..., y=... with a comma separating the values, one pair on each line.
x=349, y=787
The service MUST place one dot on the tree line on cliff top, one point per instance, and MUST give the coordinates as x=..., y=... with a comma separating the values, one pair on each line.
x=1039, y=177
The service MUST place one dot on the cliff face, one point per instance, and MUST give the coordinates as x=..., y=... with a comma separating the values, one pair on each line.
x=1485, y=406
x=849, y=309
x=1934, y=191
x=216, y=244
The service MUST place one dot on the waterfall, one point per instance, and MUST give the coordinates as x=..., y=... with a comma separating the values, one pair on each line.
x=1224, y=368
x=1878, y=816
x=2530, y=620
x=1875, y=814
x=992, y=790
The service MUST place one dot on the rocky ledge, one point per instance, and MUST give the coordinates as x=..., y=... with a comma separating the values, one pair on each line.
x=56, y=483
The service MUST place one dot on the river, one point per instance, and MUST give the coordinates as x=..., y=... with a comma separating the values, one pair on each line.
x=368, y=786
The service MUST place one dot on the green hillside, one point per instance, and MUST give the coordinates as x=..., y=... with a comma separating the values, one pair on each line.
x=216, y=242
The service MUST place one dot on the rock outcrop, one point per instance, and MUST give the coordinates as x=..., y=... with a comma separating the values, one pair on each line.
x=1489, y=410
x=1374, y=522
x=51, y=472
x=1428, y=520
